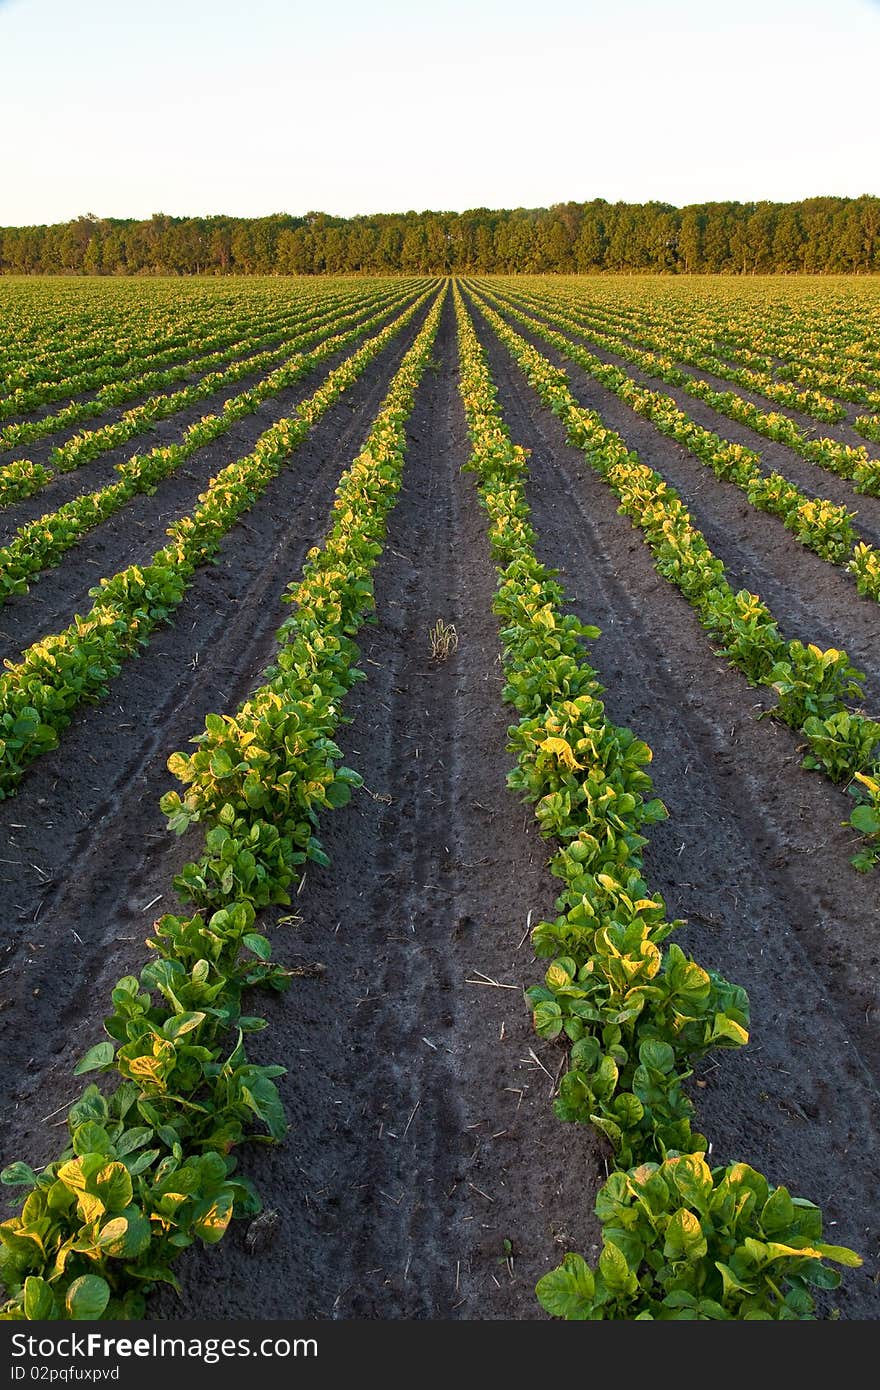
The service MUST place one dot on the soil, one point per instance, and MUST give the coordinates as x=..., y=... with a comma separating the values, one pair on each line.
x=425, y=1175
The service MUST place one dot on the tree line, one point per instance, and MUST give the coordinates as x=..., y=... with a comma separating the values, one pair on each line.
x=814, y=236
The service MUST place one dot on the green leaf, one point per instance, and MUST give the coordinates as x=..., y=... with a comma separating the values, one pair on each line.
x=777, y=1215
x=568, y=1292
x=125, y=1236
x=338, y=795
x=258, y=944
x=87, y=1297
x=800, y=1302
x=840, y=1254
x=91, y=1138
x=39, y=1301
x=547, y=1019
x=212, y=1219
x=142, y=1162
x=866, y=819
x=179, y=1024
x=684, y=1237
x=252, y=1023
x=18, y=1175
x=615, y=1271
x=693, y=1179
x=657, y=1055
x=732, y=1283
x=178, y=766
x=628, y=1109
x=112, y=1185
x=132, y=1139
x=96, y=1059
x=262, y=1097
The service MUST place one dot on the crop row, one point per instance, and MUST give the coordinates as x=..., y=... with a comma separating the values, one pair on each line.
x=86, y=319
x=680, y=1240
x=834, y=337
x=129, y=389
x=78, y=375
x=853, y=463
x=41, y=543
x=220, y=323
x=39, y=694
x=23, y=478
x=691, y=342
x=812, y=686
x=818, y=524
x=151, y=1167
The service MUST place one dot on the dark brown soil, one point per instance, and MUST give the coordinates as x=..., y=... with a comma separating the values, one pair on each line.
x=423, y=1149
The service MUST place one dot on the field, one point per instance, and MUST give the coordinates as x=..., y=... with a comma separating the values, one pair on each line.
x=314, y=524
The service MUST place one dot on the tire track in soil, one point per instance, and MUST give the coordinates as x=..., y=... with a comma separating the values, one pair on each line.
x=86, y=830
x=811, y=599
x=134, y=533
x=772, y=902
x=420, y=1139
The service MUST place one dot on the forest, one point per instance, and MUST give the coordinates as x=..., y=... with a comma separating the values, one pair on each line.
x=815, y=236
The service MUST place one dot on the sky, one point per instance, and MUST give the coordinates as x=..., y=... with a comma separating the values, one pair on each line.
x=192, y=107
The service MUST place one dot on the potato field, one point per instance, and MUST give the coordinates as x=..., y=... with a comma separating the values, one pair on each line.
x=440, y=797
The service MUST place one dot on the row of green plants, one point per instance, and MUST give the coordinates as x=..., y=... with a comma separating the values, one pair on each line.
x=118, y=393
x=853, y=463
x=822, y=360
x=152, y=1166
x=829, y=348
x=214, y=339
x=23, y=478
x=808, y=402
x=40, y=693
x=218, y=341
x=52, y=330
x=42, y=543
x=814, y=688
x=869, y=426
x=680, y=1240
x=693, y=341
x=819, y=525
x=86, y=335
x=332, y=313
x=59, y=351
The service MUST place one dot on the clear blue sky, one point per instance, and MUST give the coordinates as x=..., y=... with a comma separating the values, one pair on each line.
x=198, y=106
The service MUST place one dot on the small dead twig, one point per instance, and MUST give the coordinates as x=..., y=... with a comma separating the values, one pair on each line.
x=538, y=1063
x=486, y=980
x=527, y=930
